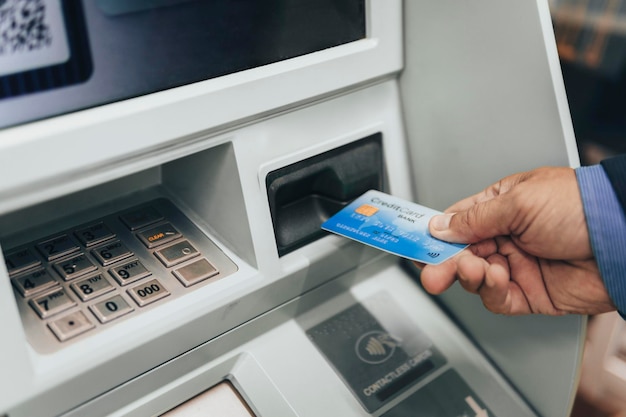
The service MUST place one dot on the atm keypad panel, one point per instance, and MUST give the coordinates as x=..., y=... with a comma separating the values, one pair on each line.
x=88, y=277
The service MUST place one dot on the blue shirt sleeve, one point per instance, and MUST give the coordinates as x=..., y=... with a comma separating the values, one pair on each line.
x=607, y=230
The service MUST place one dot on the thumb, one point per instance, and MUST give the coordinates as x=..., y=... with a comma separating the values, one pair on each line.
x=482, y=221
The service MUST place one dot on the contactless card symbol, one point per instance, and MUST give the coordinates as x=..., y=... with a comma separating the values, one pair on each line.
x=376, y=347
x=366, y=210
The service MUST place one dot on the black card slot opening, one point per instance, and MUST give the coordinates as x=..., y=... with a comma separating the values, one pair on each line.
x=305, y=194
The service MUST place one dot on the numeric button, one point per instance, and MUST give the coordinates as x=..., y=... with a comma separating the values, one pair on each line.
x=110, y=309
x=34, y=282
x=92, y=287
x=20, y=260
x=111, y=252
x=148, y=292
x=94, y=234
x=57, y=247
x=52, y=303
x=129, y=272
x=74, y=267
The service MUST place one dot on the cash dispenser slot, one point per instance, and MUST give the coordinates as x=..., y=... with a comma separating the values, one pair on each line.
x=305, y=194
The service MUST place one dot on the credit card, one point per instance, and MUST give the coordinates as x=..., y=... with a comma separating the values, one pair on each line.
x=393, y=225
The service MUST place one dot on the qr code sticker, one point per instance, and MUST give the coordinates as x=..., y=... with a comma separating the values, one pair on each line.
x=32, y=35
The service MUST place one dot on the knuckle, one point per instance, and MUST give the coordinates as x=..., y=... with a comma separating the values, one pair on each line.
x=472, y=220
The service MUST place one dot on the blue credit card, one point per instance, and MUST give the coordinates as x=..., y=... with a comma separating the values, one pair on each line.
x=393, y=225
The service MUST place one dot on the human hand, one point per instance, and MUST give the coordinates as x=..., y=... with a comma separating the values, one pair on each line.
x=530, y=252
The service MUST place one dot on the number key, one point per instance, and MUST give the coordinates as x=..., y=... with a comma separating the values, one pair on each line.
x=34, y=282
x=92, y=287
x=111, y=252
x=20, y=260
x=110, y=309
x=57, y=247
x=94, y=234
x=52, y=303
x=129, y=272
x=148, y=292
x=74, y=267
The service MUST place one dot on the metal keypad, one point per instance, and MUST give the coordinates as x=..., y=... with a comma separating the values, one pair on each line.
x=84, y=278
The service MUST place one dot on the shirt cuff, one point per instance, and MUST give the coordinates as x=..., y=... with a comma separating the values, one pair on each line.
x=607, y=230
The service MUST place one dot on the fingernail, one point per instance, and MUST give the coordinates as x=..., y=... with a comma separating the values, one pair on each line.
x=441, y=222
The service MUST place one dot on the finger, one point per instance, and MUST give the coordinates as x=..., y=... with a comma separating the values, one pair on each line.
x=438, y=278
x=502, y=295
x=527, y=274
x=471, y=272
x=482, y=221
x=484, y=249
x=496, y=292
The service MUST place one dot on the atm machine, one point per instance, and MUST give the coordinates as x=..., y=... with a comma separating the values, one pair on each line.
x=165, y=168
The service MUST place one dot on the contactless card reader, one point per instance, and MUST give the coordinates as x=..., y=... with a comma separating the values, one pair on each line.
x=376, y=350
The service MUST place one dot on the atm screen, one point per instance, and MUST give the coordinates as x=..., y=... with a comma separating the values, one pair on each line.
x=58, y=56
